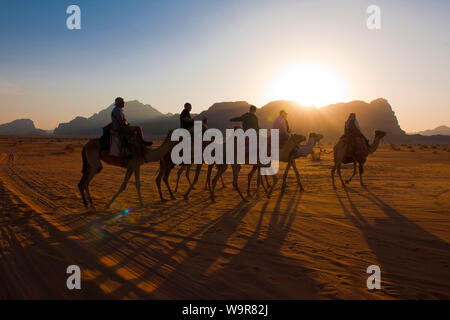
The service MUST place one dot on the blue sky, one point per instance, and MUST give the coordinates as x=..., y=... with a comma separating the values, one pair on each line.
x=167, y=52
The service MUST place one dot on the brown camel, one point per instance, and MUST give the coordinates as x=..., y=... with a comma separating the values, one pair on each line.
x=293, y=141
x=165, y=167
x=187, y=169
x=93, y=154
x=341, y=155
x=304, y=151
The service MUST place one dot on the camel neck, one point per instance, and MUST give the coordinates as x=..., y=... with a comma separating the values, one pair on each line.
x=375, y=144
x=152, y=155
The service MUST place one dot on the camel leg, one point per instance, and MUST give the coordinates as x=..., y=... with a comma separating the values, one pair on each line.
x=250, y=175
x=354, y=172
x=90, y=176
x=266, y=189
x=339, y=174
x=197, y=173
x=81, y=187
x=93, y=167
x=220, y=170
x=188, y=170
x=161, y=172
x=166, y=182
x=179, y=172
x=236, y=168
x=275, y=181
x=137, y=177
x=122, y=187
x=208, y=177
x=267, y=181
x=361, y=171
x=332, y=175
x=283, y=185
x=258, y=182
x=294, y=166
x=223, y=183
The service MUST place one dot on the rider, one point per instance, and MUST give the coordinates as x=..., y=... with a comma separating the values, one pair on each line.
x=249, y=120
x=186, y=122
x=352, y=128
x=121, y=125
x=282, y=125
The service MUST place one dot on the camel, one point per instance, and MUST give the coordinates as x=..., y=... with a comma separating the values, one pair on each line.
x=341, y=156
x=304, y=151
x=93, y=155
x=187, y=168
x=293, y=141
x=165, y=167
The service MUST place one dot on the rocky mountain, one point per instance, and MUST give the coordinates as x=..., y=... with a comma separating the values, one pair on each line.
x=441, y=130
x=135, y=111
x=328, y=120
x=20, y=127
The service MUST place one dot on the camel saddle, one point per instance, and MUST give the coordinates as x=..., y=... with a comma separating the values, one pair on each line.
x=120, y=144
x=356, y=148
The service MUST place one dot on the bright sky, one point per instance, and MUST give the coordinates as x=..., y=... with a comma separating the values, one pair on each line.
x=165, y=53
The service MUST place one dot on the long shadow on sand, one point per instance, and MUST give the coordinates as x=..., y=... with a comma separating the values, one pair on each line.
x=187, y=280
x=414, y=263
x=263, y=271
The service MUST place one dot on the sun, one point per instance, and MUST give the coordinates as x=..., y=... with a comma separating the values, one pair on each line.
x=309, y=84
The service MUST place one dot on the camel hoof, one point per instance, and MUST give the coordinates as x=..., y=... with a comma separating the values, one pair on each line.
x=173, y=198
x=163, y=200
x=186, y=197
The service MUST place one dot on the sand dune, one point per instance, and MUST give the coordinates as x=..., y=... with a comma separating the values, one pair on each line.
x=311, y=245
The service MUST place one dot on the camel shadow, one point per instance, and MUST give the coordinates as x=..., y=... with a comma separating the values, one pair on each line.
x=414, y=263
x=189, y=278
x=263, y=271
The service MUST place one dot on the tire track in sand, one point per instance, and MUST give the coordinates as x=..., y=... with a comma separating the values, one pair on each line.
x=36, y=250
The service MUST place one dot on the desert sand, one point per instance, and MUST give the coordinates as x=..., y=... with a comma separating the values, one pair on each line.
x=311, y=245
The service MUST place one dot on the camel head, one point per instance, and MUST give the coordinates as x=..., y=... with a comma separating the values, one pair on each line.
x=297, y=138
x=316, y=136
x=380, y=134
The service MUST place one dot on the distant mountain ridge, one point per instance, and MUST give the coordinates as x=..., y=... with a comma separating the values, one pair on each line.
x=441, y=130
x=20, y=127
x=328, y=120
x=136, y=112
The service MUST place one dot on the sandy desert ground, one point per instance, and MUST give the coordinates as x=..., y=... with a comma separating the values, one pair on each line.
x=311, y=245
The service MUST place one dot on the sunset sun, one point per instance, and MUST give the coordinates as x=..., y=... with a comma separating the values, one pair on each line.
x=308, y=83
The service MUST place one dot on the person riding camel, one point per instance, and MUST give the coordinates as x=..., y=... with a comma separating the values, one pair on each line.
x=186, y=122
x=249, y=120
x=121, y=126
x=282, y=124
x=352, y=129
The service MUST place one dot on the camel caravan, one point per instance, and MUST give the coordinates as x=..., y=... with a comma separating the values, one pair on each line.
x=123, y=145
